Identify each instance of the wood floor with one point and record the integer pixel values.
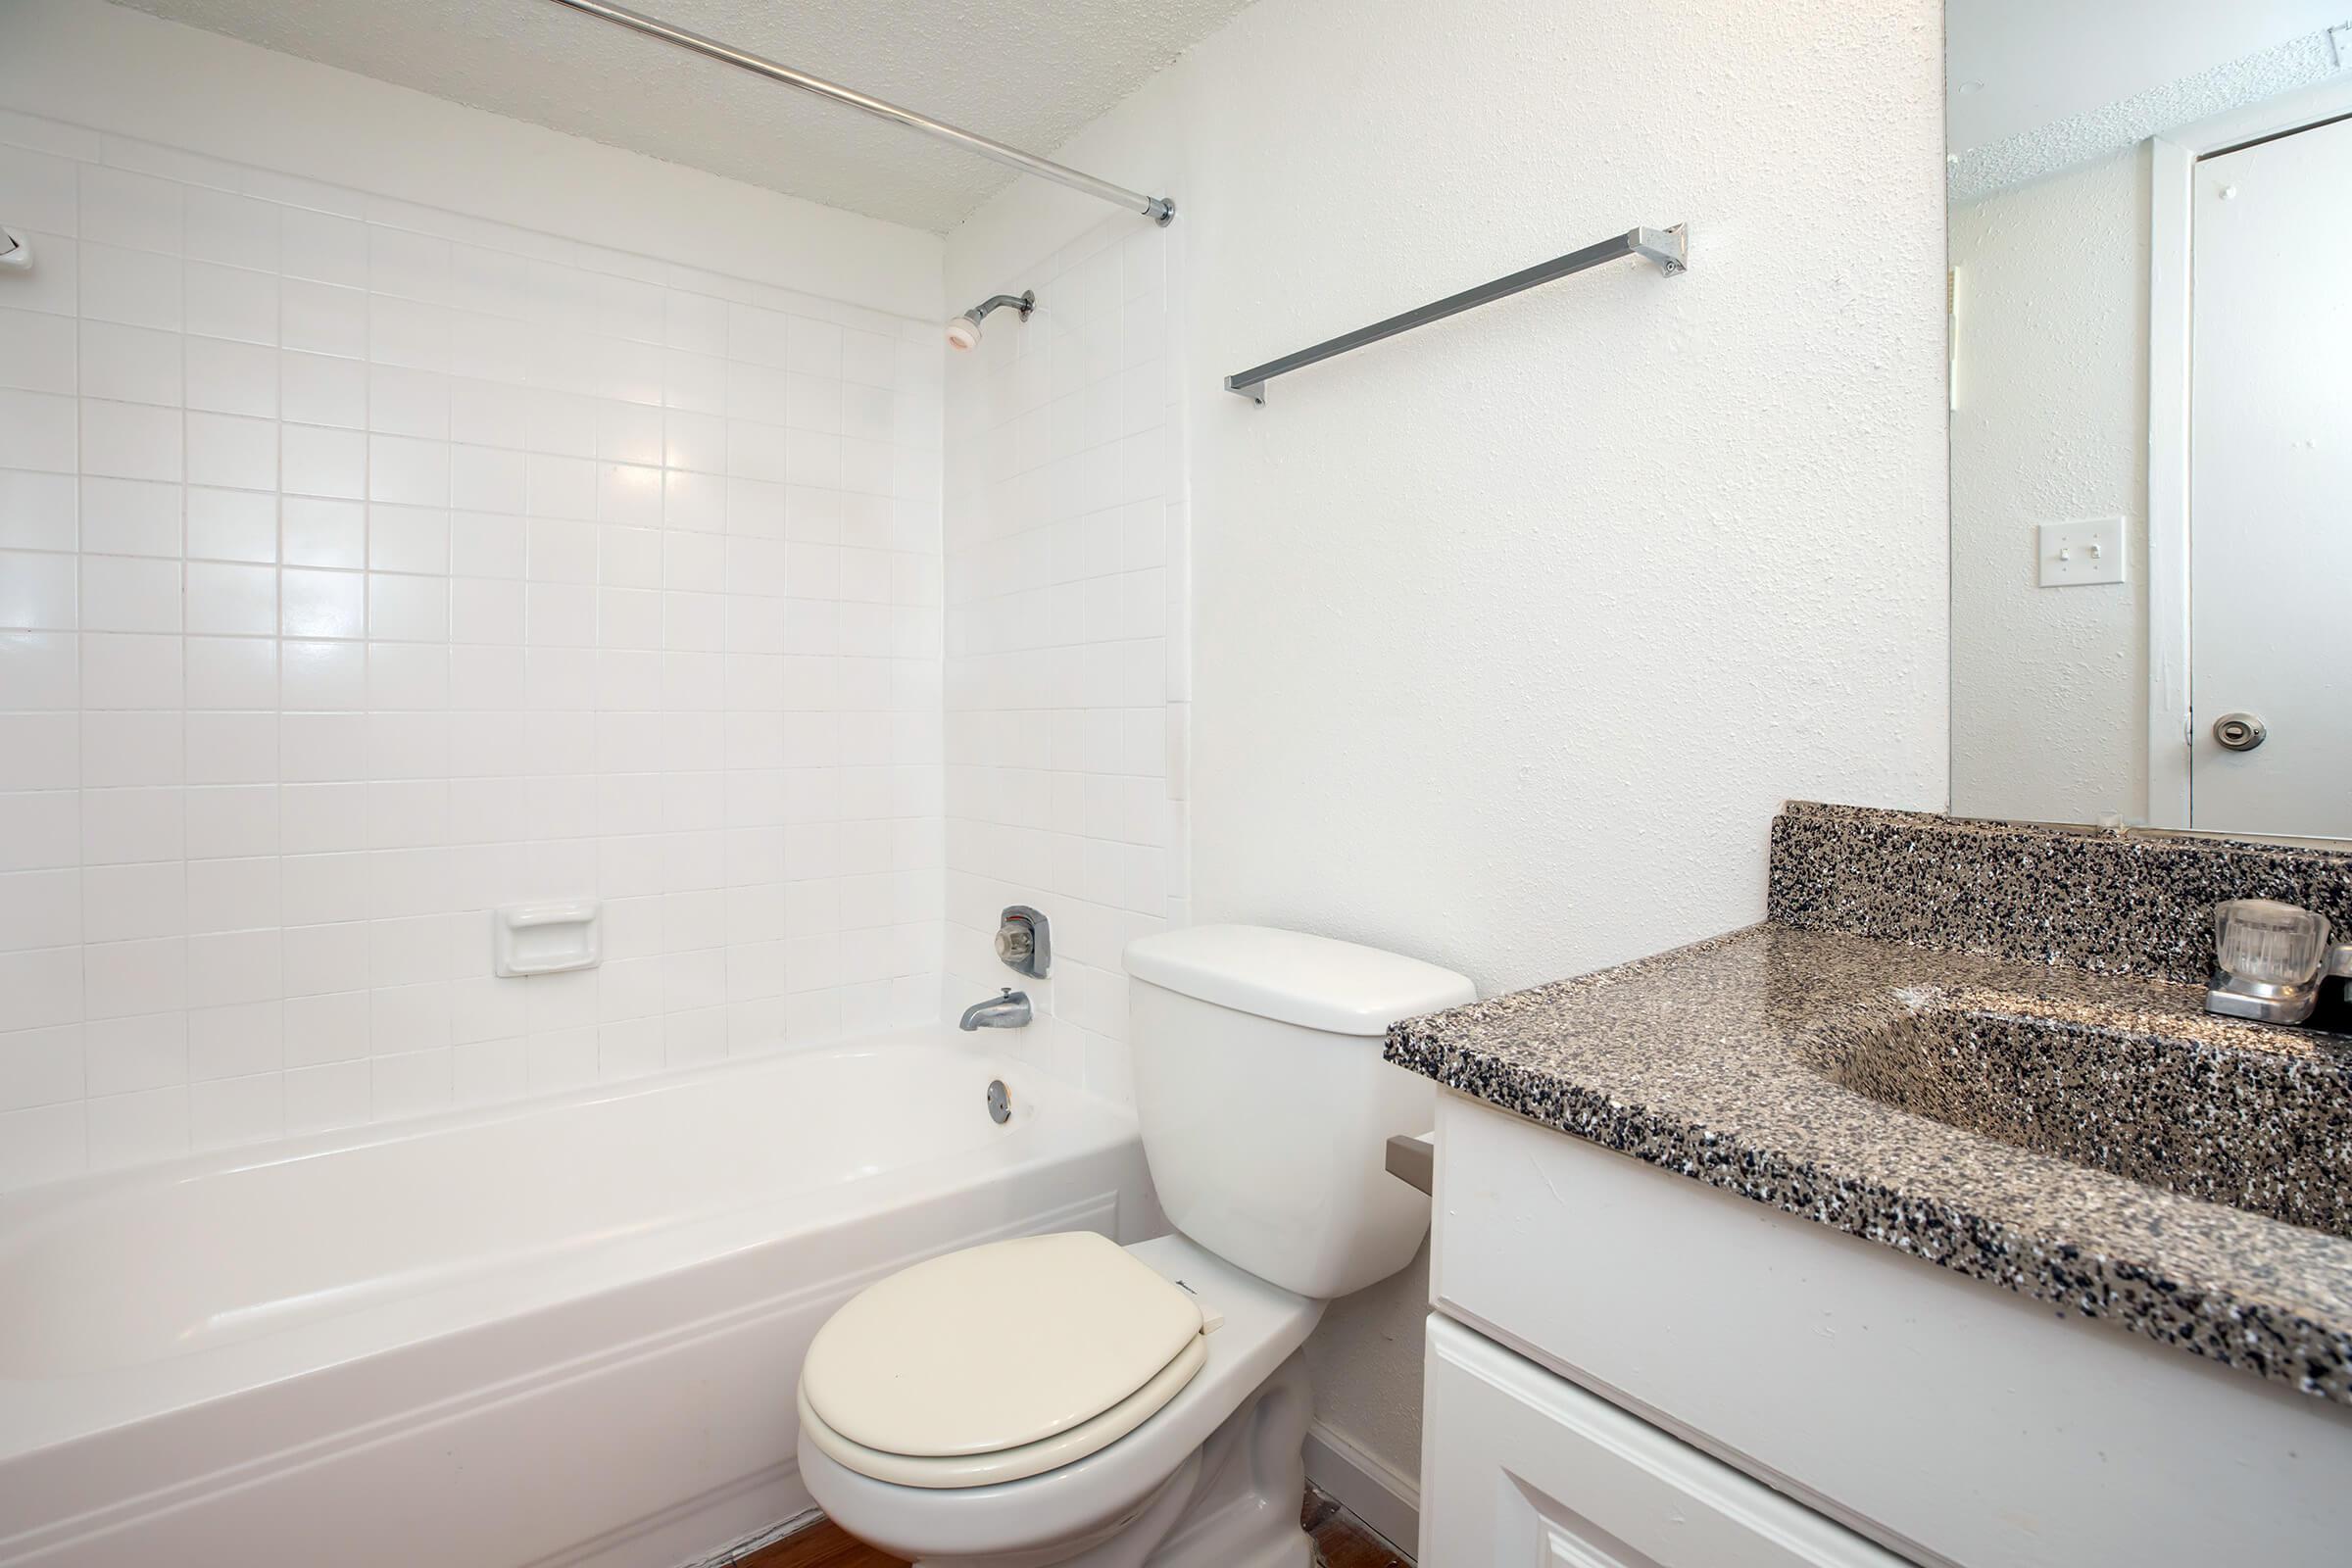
(1339, 1539)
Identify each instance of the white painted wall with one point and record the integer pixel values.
(1509, 636)
(366, 563)
(174, 86)
(2049, 685)
(1065, 661)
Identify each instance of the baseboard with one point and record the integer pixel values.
(1387, 1503)
(743, 1513)
(768, 1536)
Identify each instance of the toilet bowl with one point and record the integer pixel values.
(1058, 1514)
(1061, 1400)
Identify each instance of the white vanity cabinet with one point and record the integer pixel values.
(1629, 1369)
(1522, 1469)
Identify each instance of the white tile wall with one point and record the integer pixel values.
(1067, 694)
(362, 566)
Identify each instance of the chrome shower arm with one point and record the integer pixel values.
(1158, 209)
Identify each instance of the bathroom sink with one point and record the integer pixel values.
(2227, 1113)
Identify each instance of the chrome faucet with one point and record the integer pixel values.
(1009, 1011)
(2271, 961)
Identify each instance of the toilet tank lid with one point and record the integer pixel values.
(1290, 977)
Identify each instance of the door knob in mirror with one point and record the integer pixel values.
(2240, 732)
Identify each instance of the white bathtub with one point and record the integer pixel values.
(566, 1333)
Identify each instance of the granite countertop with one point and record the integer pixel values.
(1792, 1066)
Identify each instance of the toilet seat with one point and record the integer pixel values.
(999, 1361)
(1011, 1464)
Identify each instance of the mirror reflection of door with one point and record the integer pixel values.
(2271, 486)
(2150, 223)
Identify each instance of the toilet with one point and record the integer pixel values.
(1061, 1400)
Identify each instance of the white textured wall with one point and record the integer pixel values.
(2049, 685)
(1510, 635)
(365, 564)
(1065, 676)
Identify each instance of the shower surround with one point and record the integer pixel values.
(1068, 674)
(365, 565)
(371, 565)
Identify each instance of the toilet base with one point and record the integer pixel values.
(1232, 1503)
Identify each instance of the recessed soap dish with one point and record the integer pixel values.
(546, 938)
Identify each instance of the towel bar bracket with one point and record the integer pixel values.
(1665, 246)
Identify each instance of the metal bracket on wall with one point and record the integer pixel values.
(1413, 1160)
(1667, 247)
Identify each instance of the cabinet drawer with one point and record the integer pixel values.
(1522, 1469)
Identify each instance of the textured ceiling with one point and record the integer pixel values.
(2077, 140)
(2016, 66)
(1026, 71)
(2032, 87)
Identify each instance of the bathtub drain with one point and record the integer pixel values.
(1000, 1104)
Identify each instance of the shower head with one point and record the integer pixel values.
(964, 332)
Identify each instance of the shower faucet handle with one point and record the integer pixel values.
(1024, 942)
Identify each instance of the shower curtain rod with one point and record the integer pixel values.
(1158, 209)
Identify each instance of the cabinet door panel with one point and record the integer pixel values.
(1522, 1469)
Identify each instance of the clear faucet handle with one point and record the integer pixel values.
(2268, 943)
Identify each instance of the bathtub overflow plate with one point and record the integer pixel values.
(1000, 1104)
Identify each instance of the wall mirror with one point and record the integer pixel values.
(2150, 282)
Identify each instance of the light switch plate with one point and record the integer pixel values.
(2078, 553)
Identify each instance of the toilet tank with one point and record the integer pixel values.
(1265, 1106)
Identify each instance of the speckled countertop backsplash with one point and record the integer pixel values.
(1982, 1044)
(2134, 903)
